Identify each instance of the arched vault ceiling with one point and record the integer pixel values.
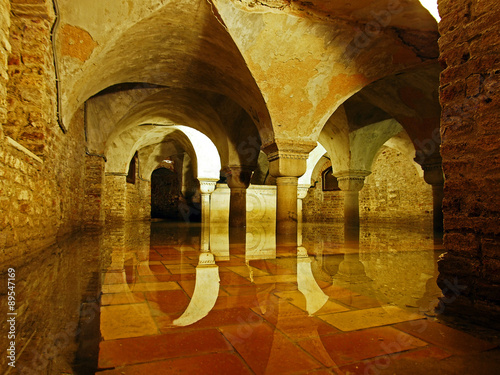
(411, 97)
(132, 108)
(307, 65)
(172, 43)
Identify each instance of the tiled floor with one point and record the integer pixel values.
(286, 315)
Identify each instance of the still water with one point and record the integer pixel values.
(168, 298)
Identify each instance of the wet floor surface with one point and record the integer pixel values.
(182, 299)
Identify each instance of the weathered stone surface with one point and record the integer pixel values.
(471, 148)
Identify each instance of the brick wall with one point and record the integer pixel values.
(394, 192)
(470, 98)
(41, 168)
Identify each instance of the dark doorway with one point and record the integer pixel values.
(165, 194)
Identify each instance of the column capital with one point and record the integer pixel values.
(352, 180)
(433, 174)
(207, 185)
(288, 158)
(238, 176)
(302, 191)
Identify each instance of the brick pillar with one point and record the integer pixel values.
(94, 181)
(470, 99)
(115, 197)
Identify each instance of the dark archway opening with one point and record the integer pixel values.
(165, 194)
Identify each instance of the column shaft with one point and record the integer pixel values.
(238, 207)
(437, 200)
(351, 208)
(286, 205)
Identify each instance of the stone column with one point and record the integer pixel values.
(287, 162)
(433, 175)
(238, 180)
(207, 187)
(302, 191)
(351, 182)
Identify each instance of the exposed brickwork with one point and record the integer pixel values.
(114, 198)
(470, 98)
(41, 197)
(31, 87)
(394, 192)
(4, 54)
(94, 177)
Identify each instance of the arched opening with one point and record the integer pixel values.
(165, 194)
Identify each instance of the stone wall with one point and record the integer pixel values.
(323, 206)
(470, 98)
(41, 168)
(41, 185)
(394, 192)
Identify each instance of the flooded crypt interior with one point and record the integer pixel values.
(249, 187)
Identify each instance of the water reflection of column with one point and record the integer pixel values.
(351, 269)
(205, 237)
(307, 285)
(205, 293)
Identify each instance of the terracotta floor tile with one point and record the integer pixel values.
(181, 269)
(188, 286)
(152, 270)
(121, 298)
(231, 278)
(275, 279)
(121, 321)
(345, 348)
(212, 364)
(167, 301)
(246, 271)
(375, 317)
(337, 292)
(156, 278)
(271, 267)
(359, 301)
(373, 366)
(246, 289)
(153, 348)
(445, 337)
(215, 318)
(116, 288)
(151, 287)
(226, 302)
(297, 298)
(267, 351)
(114, 278)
